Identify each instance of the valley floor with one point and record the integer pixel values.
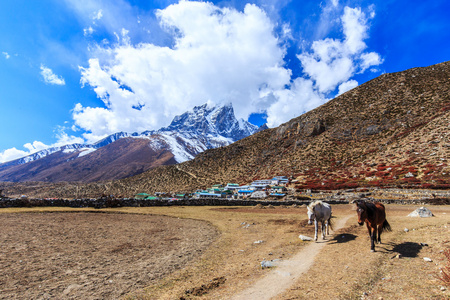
(216, 253)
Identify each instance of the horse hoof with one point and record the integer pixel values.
(372, 250)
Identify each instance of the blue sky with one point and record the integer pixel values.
(77, 70)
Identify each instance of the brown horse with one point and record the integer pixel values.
(374, 215)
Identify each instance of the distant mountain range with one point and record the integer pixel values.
(125, 154)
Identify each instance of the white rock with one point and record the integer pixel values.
(422, 212)
(305, 238)
(269, 263)
(427, 259)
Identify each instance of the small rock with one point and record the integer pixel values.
(305, 238)
(406, 230)
(443, 288)
(269, 263)
(258, 242)
(71, 288)
(427, 259)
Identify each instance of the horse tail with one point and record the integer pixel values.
(386, 226)
(330, 223)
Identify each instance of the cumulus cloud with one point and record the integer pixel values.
(50, 77)
(6, 54)
(11, 154)
(334, 61)
(219, 55)
(292, 102)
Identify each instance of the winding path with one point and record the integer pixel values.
(287, 272)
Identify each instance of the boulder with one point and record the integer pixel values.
(422, 212)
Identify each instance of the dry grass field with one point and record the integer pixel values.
(210, 253)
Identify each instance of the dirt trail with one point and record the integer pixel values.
(287, 272)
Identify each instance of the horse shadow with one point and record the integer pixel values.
(407, 249)
(343, 238)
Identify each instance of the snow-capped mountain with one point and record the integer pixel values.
(204, 127)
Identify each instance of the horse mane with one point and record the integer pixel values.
(370, 207)
(314, 204)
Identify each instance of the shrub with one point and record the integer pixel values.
(445, 276)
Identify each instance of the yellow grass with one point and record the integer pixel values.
(344, 269)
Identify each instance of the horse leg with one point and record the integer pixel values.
(380, 230)
(323, 229)
(373, 239)
(372, 244)
(316, 228)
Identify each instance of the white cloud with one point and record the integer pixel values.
(333, 61)
(98, 15)
(12, 154)
(35, 146)
(347, 86)
(50, 77)
(62, 139)
(370, 59)
(291, 103)
(7, 56)
(220, 55)
(88, 31)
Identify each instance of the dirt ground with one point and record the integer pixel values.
(216, 253)
(93, 255)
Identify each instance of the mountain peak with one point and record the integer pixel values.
(212, 120)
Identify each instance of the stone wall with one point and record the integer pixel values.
(104, 203)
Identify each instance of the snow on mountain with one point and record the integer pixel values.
(43, 153)
(204, 127)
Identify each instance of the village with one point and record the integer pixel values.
(275, 188)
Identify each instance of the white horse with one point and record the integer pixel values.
(319, 211)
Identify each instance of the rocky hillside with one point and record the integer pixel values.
(391, 131)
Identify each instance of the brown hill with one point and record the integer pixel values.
(122, 158)
(391, 131)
